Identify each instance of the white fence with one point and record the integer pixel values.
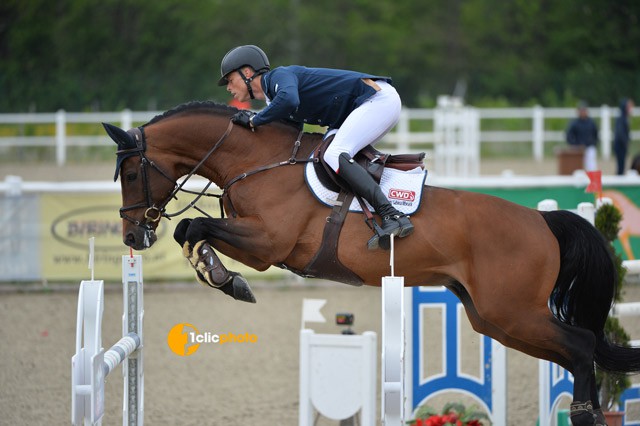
(404, 139)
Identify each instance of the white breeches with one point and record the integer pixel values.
(366, 125)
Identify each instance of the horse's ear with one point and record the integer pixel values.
(118, 135)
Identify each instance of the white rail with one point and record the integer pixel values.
(403, 137)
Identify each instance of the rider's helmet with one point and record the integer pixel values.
(241, 56)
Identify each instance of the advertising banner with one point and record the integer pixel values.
(67, 221)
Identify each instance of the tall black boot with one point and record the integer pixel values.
(394, 222)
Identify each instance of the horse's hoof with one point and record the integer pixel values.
(236, 286)
(241, 289)
(582, 414)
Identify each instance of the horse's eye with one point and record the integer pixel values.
(131, 177)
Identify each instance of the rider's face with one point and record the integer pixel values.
(237, 87)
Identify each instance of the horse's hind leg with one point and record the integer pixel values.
(547, 338)
(572, 348)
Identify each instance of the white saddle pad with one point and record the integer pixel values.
(403, 189)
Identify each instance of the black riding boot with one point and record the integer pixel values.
(394, 222)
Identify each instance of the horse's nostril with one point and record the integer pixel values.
(130, 239)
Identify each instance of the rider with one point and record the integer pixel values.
(359, 108)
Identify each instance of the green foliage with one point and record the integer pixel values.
(612, 385)
(608, 221)
(111, 54)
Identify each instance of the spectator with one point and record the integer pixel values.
(583, 132)
(622, 135)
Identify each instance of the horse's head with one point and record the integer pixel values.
(146, 189)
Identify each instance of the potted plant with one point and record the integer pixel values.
(453, 414)
(612, 385)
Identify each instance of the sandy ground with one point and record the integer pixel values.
(227, 385)
(233, 384)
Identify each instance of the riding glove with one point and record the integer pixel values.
(243, 118)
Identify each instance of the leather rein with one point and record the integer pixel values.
(154, 212)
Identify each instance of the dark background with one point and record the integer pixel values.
(90, 55)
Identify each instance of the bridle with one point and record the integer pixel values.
(153, 213)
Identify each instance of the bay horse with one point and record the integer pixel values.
(538, 282)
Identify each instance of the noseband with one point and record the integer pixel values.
(154, 213)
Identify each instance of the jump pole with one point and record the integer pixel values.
(91, 364)
(393, 342)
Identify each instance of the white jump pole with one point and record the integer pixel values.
(91, 363)
(132, 327)
(393, 341)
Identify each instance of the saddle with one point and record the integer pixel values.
(325, 263)
(372, 160)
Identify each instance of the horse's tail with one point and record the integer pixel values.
(586, 285)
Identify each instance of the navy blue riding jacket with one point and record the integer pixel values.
(582, 131)
(622, 135)
(313, 95)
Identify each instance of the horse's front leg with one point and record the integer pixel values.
(237, 240)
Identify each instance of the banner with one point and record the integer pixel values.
(47, 238)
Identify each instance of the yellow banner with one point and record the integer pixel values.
(69, 220)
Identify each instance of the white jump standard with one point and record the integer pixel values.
(91, 364)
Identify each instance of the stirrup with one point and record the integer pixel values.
(397, 225)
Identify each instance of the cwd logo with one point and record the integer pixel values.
(402, 194)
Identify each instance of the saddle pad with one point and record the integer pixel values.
(403, 189)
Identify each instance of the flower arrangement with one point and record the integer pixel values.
(453, 414)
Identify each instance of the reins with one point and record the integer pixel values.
(153, 213)
(180, 187)
(291, 161)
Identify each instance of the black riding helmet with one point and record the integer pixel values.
(241, 56)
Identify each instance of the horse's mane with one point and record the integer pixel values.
(196, 106)
(205, 107)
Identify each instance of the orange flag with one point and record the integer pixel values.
(595, 182)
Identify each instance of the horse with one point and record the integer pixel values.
(538, 282)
